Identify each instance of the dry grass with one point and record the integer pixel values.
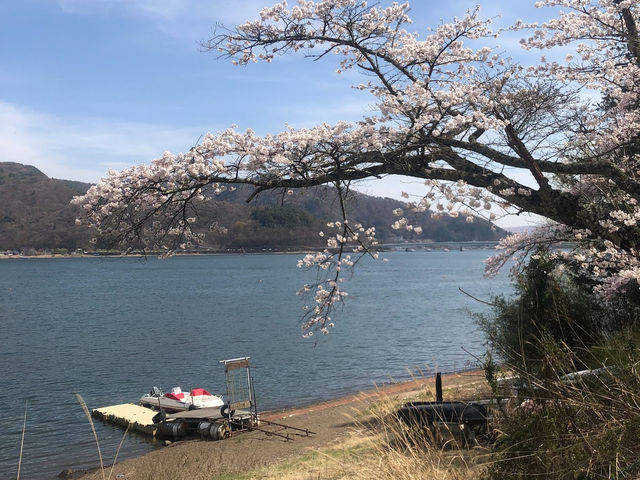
(87, 413)
(85, 409)
(379, 447)
(24, 430)
(396, 451)
(585, 427)
(367, 458)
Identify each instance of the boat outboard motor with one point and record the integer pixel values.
(155, 392)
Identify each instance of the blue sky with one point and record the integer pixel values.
(88, 85)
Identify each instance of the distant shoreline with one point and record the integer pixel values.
(396, 247)
(150, 255)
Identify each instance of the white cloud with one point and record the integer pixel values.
(84, 148)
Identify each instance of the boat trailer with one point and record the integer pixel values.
(238, 414)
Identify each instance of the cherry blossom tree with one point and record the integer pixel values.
(453, 109)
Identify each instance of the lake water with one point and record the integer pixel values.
(110, 329)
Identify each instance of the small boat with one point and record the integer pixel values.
(425, 413)
(178, 401)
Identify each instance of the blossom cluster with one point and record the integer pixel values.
(331, 262)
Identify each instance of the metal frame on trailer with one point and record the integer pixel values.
(241, 396)
(276, 428)
(239, 384)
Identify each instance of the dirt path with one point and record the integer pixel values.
(330, 421)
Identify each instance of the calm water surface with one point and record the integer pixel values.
(109, 329)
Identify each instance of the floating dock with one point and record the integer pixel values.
(136, 417)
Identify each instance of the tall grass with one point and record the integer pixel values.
(584, 427)
(115, 459)
(382, 447)
(85, 409)
(379, 447)
(87, 413)
(24, 430)
(580, 427)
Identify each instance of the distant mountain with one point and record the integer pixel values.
(35, 214)
(297, 218)
(35, 211)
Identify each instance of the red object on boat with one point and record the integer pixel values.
(175, 396)
(199, 391)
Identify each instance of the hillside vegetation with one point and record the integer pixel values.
(35, 211)
(35, 214)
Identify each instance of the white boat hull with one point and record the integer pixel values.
(187, 402)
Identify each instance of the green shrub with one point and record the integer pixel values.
(586, 428)
(553, 301)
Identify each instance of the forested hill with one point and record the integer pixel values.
(35, 214)
(35, 211)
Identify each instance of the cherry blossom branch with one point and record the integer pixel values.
(448, 111)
